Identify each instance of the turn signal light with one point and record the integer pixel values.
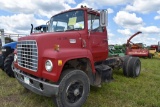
(60, 63)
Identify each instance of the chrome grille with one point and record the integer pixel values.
(27, 53)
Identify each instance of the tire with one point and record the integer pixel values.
(74, 89)
(1, 62)
(134, 67)
(2, 67)
(125, 65)
(8, 65)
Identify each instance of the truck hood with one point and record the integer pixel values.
(46, 43)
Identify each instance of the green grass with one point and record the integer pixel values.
(143, 91)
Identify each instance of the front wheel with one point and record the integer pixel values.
(74, 89)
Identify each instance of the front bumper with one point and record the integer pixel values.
(36, 85)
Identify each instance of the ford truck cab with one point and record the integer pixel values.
(70, 57)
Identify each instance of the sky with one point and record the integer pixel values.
(125, 17)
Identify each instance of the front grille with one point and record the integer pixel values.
(27, 53)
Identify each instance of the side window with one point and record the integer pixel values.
(94, 23)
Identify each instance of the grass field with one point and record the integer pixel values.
(143, 91)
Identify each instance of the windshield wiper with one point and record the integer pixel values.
(59, 31)
(73, 29)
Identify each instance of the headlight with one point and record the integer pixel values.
(48, 65)
(15, 57)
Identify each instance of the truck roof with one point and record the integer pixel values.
(84, 8)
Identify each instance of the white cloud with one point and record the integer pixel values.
(153, 39)
(118, 40)
(83, 4)
(144, 6)
(125, 32)
(101, 3)
(148, 40)
(19, 23)
(128, 20)
(131, 22)
(150, 30)
(158, 16)
(39, 8)
(110, 10)
(95, 7)
(110, 34)
(146, 37)
(24, 13)
(70, 1)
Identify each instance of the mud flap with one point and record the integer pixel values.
(105, 72)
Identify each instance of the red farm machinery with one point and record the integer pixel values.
(137, 49)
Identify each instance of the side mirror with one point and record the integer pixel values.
(103, 18)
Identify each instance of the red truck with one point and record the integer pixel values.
(63, 62)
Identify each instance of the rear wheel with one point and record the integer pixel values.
(74, 88)
(131, 66)
(8, 65)
(134, 67)
(125, 65)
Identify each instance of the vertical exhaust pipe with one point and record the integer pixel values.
(31, 28)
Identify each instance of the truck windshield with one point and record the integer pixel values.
(68, 21)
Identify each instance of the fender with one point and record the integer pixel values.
(64, 55)
(11, 44)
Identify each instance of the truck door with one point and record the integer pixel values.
(98, 42)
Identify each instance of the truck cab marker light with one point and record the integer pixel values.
(56, 47)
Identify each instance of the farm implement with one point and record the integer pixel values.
(116, 50)
(137, 49)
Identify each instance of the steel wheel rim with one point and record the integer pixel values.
(137, 68)
(74, 91)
